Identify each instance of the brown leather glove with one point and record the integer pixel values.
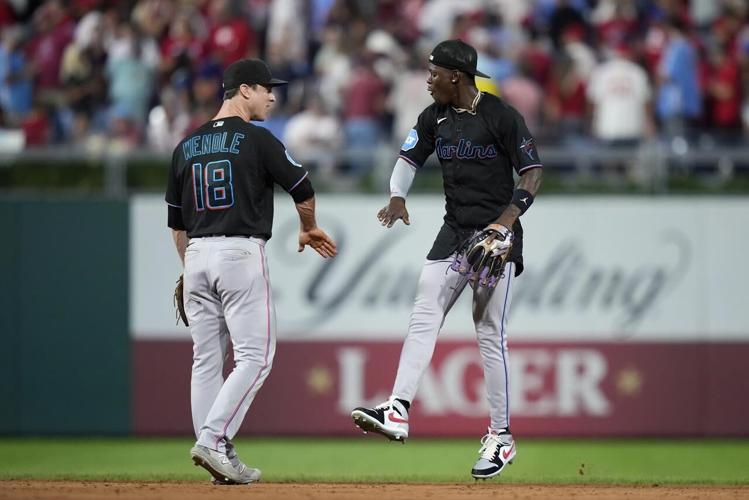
(484, 255)
(179, 301)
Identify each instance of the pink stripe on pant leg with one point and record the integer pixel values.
(267, 346)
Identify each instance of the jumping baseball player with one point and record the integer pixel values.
(220, 197)
(479, 140)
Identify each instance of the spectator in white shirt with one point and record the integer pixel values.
(314, 136)
(619, 94)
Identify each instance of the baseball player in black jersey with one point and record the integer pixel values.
(479, 140)
(220, 197)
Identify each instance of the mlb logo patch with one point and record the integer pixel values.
(411, 141)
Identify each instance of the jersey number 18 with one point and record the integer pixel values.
(212, 185)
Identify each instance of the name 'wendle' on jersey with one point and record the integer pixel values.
(464, 150)
(206, 144)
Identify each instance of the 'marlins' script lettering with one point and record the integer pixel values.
(464, 150)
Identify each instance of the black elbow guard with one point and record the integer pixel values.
(303, 191)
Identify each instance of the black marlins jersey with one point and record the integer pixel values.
(478, 152)
(222, 178)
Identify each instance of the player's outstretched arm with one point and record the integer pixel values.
(310, 234)
(394, 210)
(319, 241)
(400, 183)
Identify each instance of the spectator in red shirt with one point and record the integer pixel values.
(36, 126)
(566, 99)
(53, 33)
(536, 56)
(364, 105)
(183, 47)
(7, 15)
(365, 96)
(724, 89)
(231, 38)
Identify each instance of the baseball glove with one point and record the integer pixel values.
(179, 301)
(482, 258)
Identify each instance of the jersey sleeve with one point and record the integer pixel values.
(519, 143)
(279, 164)
(174, 183)
(419, 143)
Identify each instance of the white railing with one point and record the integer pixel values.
(648, 165)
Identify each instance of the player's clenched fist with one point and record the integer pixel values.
(319, 241)
(395, 210)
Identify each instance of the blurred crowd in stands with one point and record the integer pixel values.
(99, 75)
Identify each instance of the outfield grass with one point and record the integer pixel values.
(371, 459)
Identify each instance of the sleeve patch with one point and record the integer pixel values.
(411, 140)
(527, 147)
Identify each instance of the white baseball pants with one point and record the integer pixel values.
(228, 297)
(438, 289)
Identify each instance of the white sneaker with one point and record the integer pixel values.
(389, 419)
(497, 450)
(221, 467)
(246, 473)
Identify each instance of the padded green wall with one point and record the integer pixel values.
(64, 344)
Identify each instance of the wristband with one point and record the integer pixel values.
(522, 199)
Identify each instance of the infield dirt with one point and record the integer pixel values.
(63, 490)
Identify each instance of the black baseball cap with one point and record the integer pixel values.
(456, 54)
(250, 72)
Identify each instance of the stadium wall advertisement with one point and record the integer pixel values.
(630, 319)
